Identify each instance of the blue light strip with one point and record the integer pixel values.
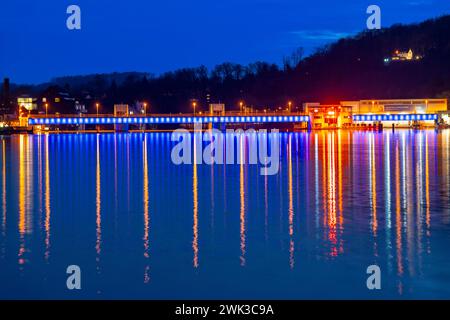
(168, 120)
(394, 117)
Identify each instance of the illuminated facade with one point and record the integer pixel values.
(323, 116)
(121, 110)
(329, 116)
(27, 103)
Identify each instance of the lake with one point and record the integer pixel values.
(139, 226)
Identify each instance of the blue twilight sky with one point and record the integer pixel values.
(157, 36)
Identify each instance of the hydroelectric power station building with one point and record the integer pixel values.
(401, 113)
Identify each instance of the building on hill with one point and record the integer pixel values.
(399, 56)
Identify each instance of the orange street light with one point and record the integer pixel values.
(145, 108)
(97, 105)
(290, 105)
(194, 104)
(241, 104)
(46, 109)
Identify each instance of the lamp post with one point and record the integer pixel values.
(97, 105)
(241, 104)
(145, 108)
(194, 104)
(46, 109)
(290, 105)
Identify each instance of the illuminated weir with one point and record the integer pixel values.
(412, 113)
(177, 119)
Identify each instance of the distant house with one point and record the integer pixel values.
(402, 56)
(399, 56)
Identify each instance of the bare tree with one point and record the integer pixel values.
(291, 62)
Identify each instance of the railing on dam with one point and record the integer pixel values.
(394, 117)
(102, 119)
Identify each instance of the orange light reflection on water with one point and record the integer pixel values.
(291, 206)
(47, 200)
(4, 188)
(22, 209)
(98, 202)
(195, 207)
(242, 199)
(146, 210)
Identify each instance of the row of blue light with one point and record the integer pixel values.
(395, 117)
(167, 120)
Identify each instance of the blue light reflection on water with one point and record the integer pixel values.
(141, 227)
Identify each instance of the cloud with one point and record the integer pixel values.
(320, 35)
(310, 40)
(416, 3)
